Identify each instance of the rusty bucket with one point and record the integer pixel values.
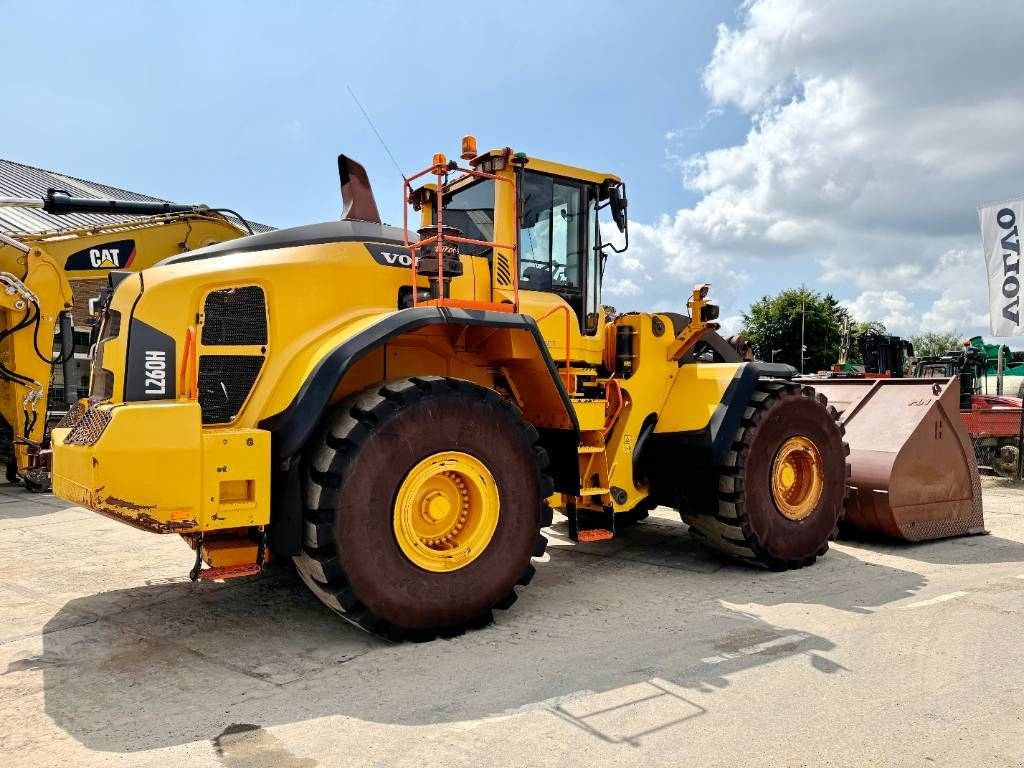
(914, 475)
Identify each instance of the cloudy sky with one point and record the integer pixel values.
(839, 144)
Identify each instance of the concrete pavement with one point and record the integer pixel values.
(645, 650)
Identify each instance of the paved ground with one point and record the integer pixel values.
(640, 651)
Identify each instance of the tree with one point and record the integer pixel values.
(933, 344)
(773, 324)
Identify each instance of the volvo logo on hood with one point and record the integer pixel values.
(390, 255)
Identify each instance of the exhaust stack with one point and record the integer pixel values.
(356, 193)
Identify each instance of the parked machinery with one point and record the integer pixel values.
(994, 422)
(394, 411)
(44, 274)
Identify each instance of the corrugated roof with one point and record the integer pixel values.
(20, 180)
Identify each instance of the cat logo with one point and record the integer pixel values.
(104, 257)
(117, 254)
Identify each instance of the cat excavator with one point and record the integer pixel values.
(395, 410)
(49, 278)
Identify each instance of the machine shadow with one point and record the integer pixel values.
(170, 663)
(969, 550)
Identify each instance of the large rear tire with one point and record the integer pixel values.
(782, 486)
(424, 504)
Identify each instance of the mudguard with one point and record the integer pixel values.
(292, 427)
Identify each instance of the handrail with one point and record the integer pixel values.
(568, 356)
(188, 355)
(441, 168)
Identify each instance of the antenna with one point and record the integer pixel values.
(376, 132)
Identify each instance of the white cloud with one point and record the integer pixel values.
(891, 307)
(876, 128)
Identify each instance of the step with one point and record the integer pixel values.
(588, 535)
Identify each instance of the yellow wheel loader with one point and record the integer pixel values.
(45, 275)
(395, 411)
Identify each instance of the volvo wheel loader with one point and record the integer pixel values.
(396, 411)
(44, 274)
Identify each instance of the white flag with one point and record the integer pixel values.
(1000, 236)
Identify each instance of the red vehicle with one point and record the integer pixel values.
(993, 421)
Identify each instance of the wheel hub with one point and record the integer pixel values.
(797, 478)
(446, 511)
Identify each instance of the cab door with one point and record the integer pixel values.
(559, 264)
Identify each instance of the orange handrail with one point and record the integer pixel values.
(568, 355)
(187, 356)
(441, 170)
(188, 386)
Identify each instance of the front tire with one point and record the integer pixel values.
(782, 486)
(424, 503)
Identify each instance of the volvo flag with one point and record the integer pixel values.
(1000, 235)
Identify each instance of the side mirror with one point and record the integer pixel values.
(619, 204)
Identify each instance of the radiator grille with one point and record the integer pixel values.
(72, 417)
(235, 316)
(89, 428)
(224, 384)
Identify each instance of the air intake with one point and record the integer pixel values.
(235, 316)
(224, 385)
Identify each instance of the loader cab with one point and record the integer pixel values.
(555, 219)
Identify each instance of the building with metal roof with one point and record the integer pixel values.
(20, 180)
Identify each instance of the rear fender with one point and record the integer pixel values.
(482, 346)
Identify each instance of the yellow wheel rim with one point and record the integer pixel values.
(797, 478)
(446, 511)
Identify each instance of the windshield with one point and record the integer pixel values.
(470, 209)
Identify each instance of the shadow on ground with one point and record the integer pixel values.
(642, 620)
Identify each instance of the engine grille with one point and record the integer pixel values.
(224, 384)
(72, 417)
(89, 429)
(235, 316)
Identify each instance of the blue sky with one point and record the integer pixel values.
(245, 104)
(840, 144)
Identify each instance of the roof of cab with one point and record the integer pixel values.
(560, 169)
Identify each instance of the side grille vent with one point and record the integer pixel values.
(502, 270)
(224, 384)
(235, 316)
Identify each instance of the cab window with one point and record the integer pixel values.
(470, 209)
(554, 240)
